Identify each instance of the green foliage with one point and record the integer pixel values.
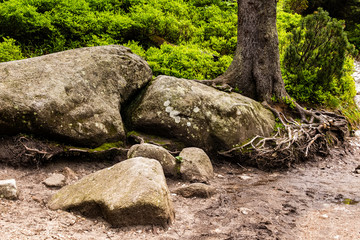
(354, 35)
(352, 113)
(205, 26)
(289, 101)
(193, 39)
(278, 125)
(185, 62)
(348, 10)
(314, 62)
(286, 22)
(9, 51)
(295, 6)
(179, 159)
(136, 48)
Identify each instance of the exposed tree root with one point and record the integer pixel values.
(27, 151)
(294, 141)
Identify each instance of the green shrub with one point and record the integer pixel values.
(295, 6)
(354, 35)
(286, 22)
(23, 22)
(9, 51)
(186, 62)
(313, 64)
(136, 48)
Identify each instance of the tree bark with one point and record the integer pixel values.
(255, 70)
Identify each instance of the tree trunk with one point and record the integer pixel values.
(255, 70)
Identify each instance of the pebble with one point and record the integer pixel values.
(244, 177)
(55, 180)
(8, 189)
(245, 211)
(324, 216)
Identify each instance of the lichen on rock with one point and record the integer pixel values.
(198, 115)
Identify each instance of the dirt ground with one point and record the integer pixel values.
(316, 200)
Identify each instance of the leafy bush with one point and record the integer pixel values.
(135, 48)
(23, 22)
(9, 51)
(313, 64)
(354, 35)
(295, 6)
(185, 62)
(286, 22)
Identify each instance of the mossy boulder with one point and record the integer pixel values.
(132, 192)
(74, 95)
(198, 115)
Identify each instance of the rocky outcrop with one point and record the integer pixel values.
(198, 115)
(75, 95)
(132, 192)
(195, 165)
(167, 161)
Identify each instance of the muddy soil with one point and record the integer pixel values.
(316, 200)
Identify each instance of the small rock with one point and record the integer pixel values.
(55, 180)
(196, 165)
(244, 177)
(245, 211)
(37, 199)
(357, 133)
(196, 190)
(324, 216)
(8, 189)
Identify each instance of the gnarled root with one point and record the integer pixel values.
(294, 141)
(28, 151)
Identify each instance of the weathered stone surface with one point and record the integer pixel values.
(132, 192)
(196, 165)
(167, 161)
(75, 95)
(199, 115)
(200, 190)
(8, 189)
(55, 180)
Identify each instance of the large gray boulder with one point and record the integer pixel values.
(167, 161)
(75, 95)
(199, 115)
(132, 192)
